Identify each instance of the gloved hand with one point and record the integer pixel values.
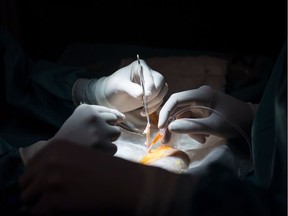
(89, 125)
(199, 123)
(122, 90)
(69, 179)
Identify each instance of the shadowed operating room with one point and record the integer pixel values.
(143, 108)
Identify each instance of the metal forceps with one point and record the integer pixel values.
(142, 81)
(127, 126)
(130, 127)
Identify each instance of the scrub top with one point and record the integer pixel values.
(39, 94)
(264, 190)
(269, 131)
(35, 102)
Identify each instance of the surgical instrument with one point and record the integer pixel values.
(130, 127)
(142, 82)
(145, 104)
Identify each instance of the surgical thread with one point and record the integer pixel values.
(233, 124)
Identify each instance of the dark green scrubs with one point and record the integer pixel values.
(35, 101)
(269, 132)
(264, 191)
(39, 94)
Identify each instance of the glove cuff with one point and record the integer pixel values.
(79, 92)
(85, 90)
(90, 91)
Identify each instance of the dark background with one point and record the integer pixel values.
(45, 28)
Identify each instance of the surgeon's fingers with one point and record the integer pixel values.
(159, 93)
(132, 89)
(106, 146)
(154, 104)
(149, 84)
(159, 84)
(109, 132)
(180, 100)
(168, 109)
(201, 138)
(103, 110)
(192, 126)
(110, 118)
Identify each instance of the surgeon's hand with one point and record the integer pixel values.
(88, 125)
(68, 179)
(122, 89)
(200, 123)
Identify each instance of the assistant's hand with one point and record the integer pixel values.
(88, 125)
(65, 178)
(122, 89)
(199, 123)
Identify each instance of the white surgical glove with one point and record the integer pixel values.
(89, 125)
(200, 123)
(122, 90)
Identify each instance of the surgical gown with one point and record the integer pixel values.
(39, 94)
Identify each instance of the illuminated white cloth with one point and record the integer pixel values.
(183, 73)
(132, 147)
